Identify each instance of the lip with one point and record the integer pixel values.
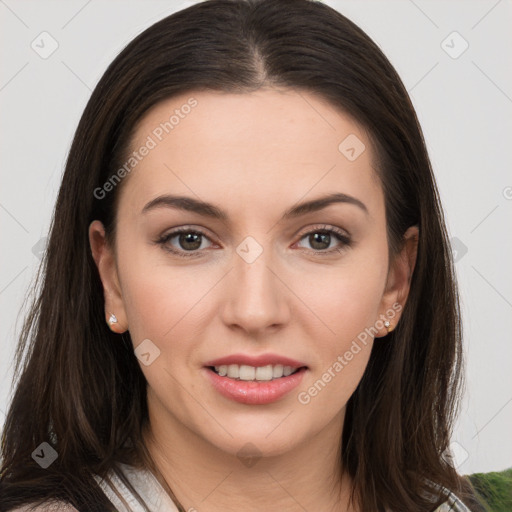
(254, 392)
(260, 360)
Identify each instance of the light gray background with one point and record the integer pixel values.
(464, 105)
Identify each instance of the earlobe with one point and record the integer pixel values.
(388, 325)
(104, 258)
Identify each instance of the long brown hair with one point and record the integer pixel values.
(79, 386)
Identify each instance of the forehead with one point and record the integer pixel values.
(269, 146)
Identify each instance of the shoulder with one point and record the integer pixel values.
(59, 506)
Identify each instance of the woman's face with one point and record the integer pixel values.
(255, 278)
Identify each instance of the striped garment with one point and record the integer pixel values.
(159, 501)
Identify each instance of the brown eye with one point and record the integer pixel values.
(320, 240)
(188, 242)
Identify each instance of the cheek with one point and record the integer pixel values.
(347, 304)
(153, 306)
(343, 349)
(163, 305)
(345, 301)
(158, 297)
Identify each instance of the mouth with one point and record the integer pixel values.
(249, 373)
(254, 385)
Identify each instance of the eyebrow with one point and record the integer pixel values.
(210, 210)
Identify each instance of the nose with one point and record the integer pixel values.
(257, 298)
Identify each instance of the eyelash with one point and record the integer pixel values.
(340, 235)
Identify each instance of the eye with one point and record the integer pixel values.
(320, 240)
(189, 242)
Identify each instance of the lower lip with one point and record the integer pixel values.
(255, 392)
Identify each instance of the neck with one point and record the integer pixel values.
(206, 479)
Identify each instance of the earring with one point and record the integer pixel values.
(387, 325)
(112, 319)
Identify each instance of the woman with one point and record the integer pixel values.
(248, 298)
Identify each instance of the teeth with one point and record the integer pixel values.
(277, 371)
(247, 372)
(259, 373)
(264, 372)
(233, 371)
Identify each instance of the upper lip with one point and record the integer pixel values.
(261, 360)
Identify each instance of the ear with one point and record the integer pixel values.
(104, 258)
(399, 281)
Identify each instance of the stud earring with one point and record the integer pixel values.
(387, 325)
(113, 319)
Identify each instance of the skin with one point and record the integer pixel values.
(253, 155)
